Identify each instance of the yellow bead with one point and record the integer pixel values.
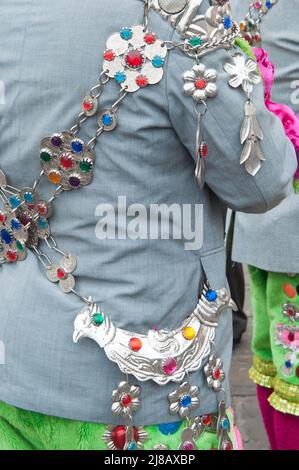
(189, 333)
(54, 177)
(242, 26)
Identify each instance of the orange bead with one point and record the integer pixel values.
(289, 290)
(54, 177)
(135, 344)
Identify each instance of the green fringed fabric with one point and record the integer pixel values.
(26, 430)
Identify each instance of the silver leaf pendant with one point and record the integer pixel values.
(251, 135)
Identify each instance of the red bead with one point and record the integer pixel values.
(135, 344)
(227, 446)
(204, 150)
(126, 400)
(297, 372)
(2, 217)
(216, 374)
(60, 273)
(206, 420)
(109, 55)
(134, 58)
(66, 161)
(248, 38)
(289, 290)
(11, 255)
(31, 207)
(291, 336)
(142, 81)
(87, 105)
(42, 209)
(119, 436)
(200, 84)
(24, 219)
(170, 366)
(150, 38)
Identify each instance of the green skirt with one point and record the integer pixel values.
(26, 430)
(275, 301)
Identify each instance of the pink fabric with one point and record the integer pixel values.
(267, 411)
(286, 429)
(236, 433)
(289, 119)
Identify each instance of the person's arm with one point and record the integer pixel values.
(222, 123)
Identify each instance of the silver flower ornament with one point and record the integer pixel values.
(62, 273)
(134, 58)
(184, 400)
(214, 373)
(200, 83)
(243, 72)
(126, 399)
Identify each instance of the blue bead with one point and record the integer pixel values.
(227, 21)
(107, 120)
(14, 201)
(42, 223)
(158, 61)
(15, 224)
(126, 34)
(268, 4)
(186, 401)
(169, 428)
(211, 295)
(28, 197)
(132, 446)
(288, 364)
(77, 146)
(120, 77)
(6, 236)
(225, 423)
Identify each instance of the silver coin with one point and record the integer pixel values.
(172, 6)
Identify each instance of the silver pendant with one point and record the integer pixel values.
(214, 373)
(162, 356)
(184, 400)
(62, 273)
(134, 58)
(223, 428)
(172, 7)
(243, 73)
(188, 440)
(251, 134)
(66, 160)
(126, 400)
(120, 437)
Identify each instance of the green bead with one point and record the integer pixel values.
(85, 166)
(45, 157)
(20, 246)
(296, 186)
(195, 41)
(97, 319)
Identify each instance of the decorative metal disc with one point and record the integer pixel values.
(172, 7)
(162, 356)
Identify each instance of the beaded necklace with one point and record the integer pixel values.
(250, 27)
(135, 58)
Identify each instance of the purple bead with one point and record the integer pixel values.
(56, 141)
(74, 181)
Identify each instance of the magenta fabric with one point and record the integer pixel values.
(267, 412)
(289, 119)
(286, 428)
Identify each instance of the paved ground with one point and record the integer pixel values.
(244, 399)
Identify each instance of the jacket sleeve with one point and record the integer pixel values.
(224, 175)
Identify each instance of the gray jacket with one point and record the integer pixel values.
(51, 53)
(270, 241)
